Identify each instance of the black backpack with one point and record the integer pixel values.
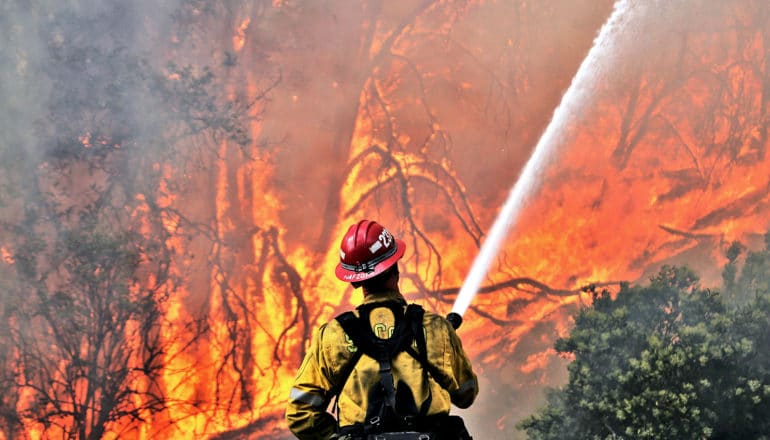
(391, 405)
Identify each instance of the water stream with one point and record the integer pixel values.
(528, 182)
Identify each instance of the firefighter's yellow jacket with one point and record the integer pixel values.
(331, 349)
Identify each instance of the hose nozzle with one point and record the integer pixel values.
(455, 319)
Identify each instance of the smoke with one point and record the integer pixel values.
(596, 64)
(23, 85)
(635, 32)
(66, 68)
(76, 73)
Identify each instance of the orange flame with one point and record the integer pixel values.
(239, 39)
(637, 183)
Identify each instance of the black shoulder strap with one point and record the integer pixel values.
(351, 326)
(415, 315)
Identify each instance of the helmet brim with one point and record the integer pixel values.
(351, 276)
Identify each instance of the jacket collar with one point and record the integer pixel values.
(384, 296)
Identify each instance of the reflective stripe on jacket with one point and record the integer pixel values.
(331, 350)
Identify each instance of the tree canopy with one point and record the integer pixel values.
(667, 360)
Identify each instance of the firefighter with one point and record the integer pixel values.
(392, 369)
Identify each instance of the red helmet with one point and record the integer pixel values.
(367, 250)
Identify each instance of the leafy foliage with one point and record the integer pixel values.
(754, 277)
(666, 360)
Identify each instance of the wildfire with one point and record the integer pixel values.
(537, 361)
(6, 255)
(666, 162)
(85, 140)
(239, 39)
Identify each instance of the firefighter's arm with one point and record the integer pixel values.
(306, 411)
(467, 385)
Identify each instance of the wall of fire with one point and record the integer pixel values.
(176, 180)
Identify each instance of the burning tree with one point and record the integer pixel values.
(88, 337)
(221, 186)
(90, 239)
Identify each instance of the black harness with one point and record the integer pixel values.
(391, 406)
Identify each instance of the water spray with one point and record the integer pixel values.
(573, 99)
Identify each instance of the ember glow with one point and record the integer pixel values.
(167, 289)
